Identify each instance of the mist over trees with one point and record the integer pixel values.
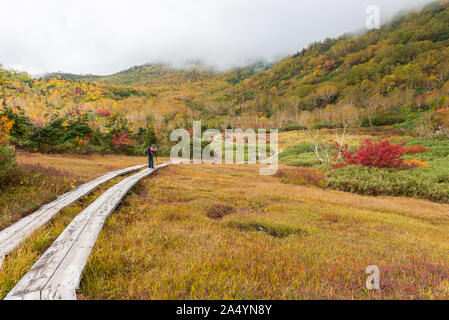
(383, 77)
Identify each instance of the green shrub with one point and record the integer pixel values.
(272, 229)
(305, 161)
(7, 163)
(377, 182)
(292, 127)
(300, 155)
(298, 148)
(384, 120)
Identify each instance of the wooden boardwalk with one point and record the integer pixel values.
(57, 274)
(12, 236)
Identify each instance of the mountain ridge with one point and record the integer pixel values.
(383, 77)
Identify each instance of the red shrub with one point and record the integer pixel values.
(121, 141)
(103, 113)
(373, 155)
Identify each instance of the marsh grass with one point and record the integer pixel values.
(40, 179)
(30, 186)
(23, 257)
(282, 241)
(302, 176)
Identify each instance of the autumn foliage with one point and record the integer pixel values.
(413, 163)
(373, 155)
(380, 155)
(414, 149)
(103, 113)
(121, 141)
(5, 127)
(376, 79)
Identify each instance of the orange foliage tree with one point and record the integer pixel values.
(5, 127)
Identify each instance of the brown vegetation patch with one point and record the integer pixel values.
(332, 218)
(302, 176)
(219, 211)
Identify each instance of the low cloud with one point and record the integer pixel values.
(106, 36)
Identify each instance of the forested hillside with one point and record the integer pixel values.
(387, 74)
(398, 74)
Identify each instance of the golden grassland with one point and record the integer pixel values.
(88, 167)
(25, 256)
(42, 178)
(224, 232)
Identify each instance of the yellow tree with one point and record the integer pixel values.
(5, 127)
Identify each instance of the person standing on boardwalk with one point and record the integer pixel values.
(151, 152)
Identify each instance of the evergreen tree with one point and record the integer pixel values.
(151, 134)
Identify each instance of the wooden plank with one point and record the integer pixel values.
(12, 236)
(57, 273)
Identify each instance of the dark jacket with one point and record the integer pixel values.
(151, 151)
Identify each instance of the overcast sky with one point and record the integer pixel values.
(106, 36)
